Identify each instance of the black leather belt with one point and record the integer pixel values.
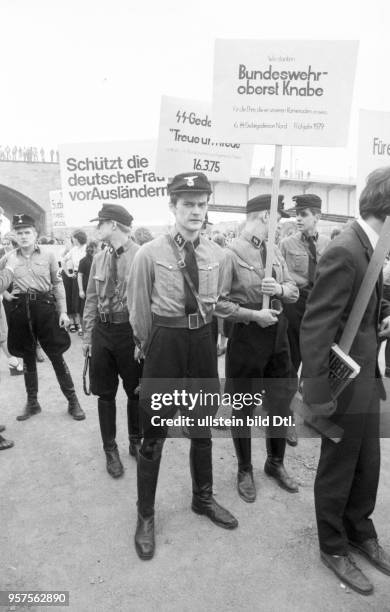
(114, 317)
(35, 296)
(191, 321)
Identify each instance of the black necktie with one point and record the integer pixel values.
(312, 259)
(192, 269)
(113, 275)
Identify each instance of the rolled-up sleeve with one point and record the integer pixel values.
(225, 307)
(290, 289)
(139, 296)
(57, 284)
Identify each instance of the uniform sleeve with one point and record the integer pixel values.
(290, 289)
(139, 296)
(58, 285)
(91, 305)
(225, 307)
(6, 277)
(327, 302)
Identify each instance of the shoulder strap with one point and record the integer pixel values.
(182, 266)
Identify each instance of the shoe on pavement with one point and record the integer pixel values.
(349, 573)
(372, 550)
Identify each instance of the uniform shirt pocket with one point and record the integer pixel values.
(168, 277)
(20, 270)
(247, 275)
(208, 279)
(41, 269)
(300, 262)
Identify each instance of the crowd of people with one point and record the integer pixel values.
(152, 311)
(28, 154)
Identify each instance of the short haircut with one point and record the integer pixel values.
(142, 235)
(126, 229)
(255, 215)
(375, 197)
(81, 236)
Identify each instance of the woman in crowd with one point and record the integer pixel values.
(70, 266)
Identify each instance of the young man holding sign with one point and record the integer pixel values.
(258, 354)
(348, 471)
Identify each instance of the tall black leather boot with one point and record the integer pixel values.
(274, 464)
(245, 484)
(32, 405)
(107, 421)
(203, 501)
(134, 427)
(147, 476)
(67, 387)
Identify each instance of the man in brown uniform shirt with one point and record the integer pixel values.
(258, 355)
(108, 334)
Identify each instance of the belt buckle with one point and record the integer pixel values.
(103, 317)
(32, 296)
(194, 317)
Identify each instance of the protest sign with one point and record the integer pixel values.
(287, 92)
(57, 209)
(110, 172)
(374, 144)
(187, 143)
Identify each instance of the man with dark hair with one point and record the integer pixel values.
(302, 251)
(258, 355)
(37, 314)
(348, 471)
(174, 284)
(108, 335)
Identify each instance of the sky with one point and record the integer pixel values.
(82, 71)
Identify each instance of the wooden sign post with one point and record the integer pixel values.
(273, 218)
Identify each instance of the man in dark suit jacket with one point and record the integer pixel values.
(348, 472)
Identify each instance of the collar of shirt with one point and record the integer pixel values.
(255, 241)
(371, 234)
(305, 237)
(36, 250)
(179, 239)
(122, 249)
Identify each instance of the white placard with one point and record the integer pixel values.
(187, 143)
(374, 145)
(121, 172)
(287, 92)
(57, 209)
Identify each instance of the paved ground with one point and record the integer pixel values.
(65, 524)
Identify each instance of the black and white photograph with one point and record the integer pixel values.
(194, 306)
